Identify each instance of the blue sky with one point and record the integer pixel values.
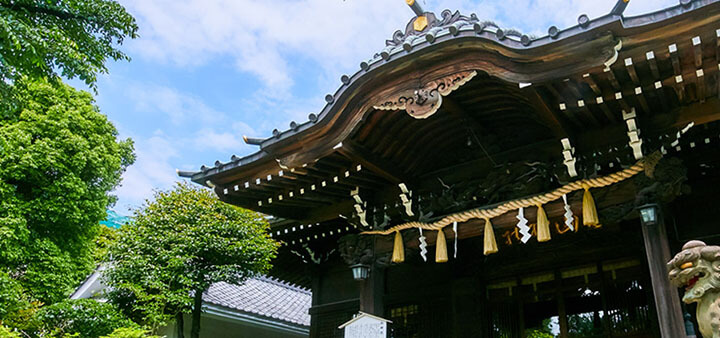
(205, 72)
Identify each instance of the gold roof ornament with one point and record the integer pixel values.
(420, 23)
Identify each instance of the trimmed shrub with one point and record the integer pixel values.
(7, 333)
(129, 332)
(84, 317)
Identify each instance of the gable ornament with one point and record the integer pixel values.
(425, 101)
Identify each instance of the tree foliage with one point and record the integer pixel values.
(178, 245)
(127, 332)
(84, 317)
(6, 332)
(76, 37)
(59, 159)
(101, 244)
(17, 308)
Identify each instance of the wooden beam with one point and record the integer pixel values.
(574, 88)
(613, 80)
(631, 71)
(659, 94)
(452, 107)
(699, 73)
(650, 56)
(678, 85)
(357, 153)
(641, 98)
(599, 97)
(588, 78)
(563, 106)
(700, 76)
(675, 59)
(582, 106)
(621, 100)
(697, 51)
(466, 170)
(699, 113)
(252, 204)
(604, 107)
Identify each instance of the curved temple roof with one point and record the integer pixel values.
(517, 58)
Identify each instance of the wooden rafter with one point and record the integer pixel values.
(357, 153)
(551, 119)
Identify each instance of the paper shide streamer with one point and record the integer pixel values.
(423, 246)
(569, 219)
(522, 225)
(455, 231)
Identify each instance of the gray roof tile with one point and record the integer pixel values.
(264, 296)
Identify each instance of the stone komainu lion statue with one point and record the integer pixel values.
(697, 268)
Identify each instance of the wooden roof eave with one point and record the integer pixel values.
(508, 60)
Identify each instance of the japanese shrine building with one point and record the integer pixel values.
(559, 173)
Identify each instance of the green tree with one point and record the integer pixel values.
(127, 332)
(585, 324)
(177, 246)
(17, 309)
(74, 37)
(59, 159)
(7, 333)
(84, 317)
(104, 238)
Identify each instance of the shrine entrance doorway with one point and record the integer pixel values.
(609, 299)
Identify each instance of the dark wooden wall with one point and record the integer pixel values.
(451, 299)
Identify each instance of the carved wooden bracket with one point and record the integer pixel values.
(355, 249)
(423, 102)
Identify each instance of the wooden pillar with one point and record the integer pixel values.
(453, 308)
(485, 315)
(315, 273)
(372, 291)
(521, 309)
(562, 313)
(667, 302)
(603, 299)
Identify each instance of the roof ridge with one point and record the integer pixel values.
(267, 316)
(283, 284)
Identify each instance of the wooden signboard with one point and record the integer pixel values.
(365, 326)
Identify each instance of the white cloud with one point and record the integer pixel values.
(152, 170)
(179, 107)
(210, 139)
(265, 37)
(224, 141)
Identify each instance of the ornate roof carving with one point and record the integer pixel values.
(424, 101)
(447, 18)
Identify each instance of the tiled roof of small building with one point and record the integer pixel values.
(264, 296)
